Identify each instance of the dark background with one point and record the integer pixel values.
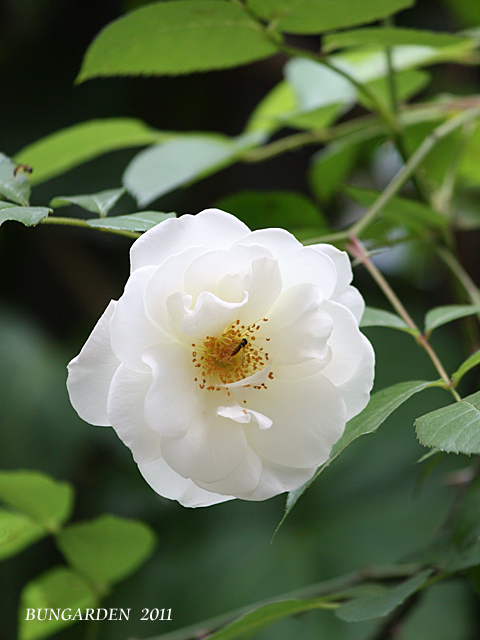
(55, 282)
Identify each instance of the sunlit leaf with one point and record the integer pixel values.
(29, 216)
(14, 184)
(59, 590)
(106, 549)
(454, 429)
(162, 168)
(443, 315)
(275, 106)
(17, 531)
(388, 37)
(43, 499)
(380, 318)
(315, 16)
(468, 364)
(382, 404)
(142, 221)
(68, 148)
(176, 37)
(377, 606)
(100, 203)
(407, 84)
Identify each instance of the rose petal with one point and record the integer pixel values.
(211, 316)
(91, 372)
(244, 416)
(356, 391)
(276, 479)
(125, 408)
(170, 485)
(174, 398)
(308, 418)
(243, 480)
(131, 330)
(212, 449)
(212, 228)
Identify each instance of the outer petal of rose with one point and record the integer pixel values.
(308, 418)
(91, 372)
(173, 400)
(131, 330)
(346, 341)
(126, 412)
(276, 479)
(297, 264)
(212, 449)
(211, 228)
(344, 293)
(297, 328)
(243, 480)
(356, 391)
(170, 485)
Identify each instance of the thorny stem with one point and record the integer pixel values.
(77, 222)
(358, 251)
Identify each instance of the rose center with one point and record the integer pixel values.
(231, 357)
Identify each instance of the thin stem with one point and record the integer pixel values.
(451, 260)
(77, 222)
(357, 249)
(415, 160)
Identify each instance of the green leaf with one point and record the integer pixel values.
(443, 315)
(17, 532)
(60, 590)
(68, 148)
(468, 364)
(380, 318)
(377, 606)
(43, 499)
(316, 85)
(29, 216)
(100, 203)
(14, 184)
(407, 84)
(388, 37)
(274, 107)
(315, 16)
(382, 404)
(454, 429)
(142, 221)
(317, 119)
(176, 37)
(264, 616)
(162, 168)
(410, 214)
(263, 209)
(330, 167)
(107, 549)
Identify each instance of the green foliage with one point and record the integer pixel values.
(380, 318)
(107, 549)
(314, 16)
(63, 150)
(131, 222)
(261, 209)
(368, 607)
(59, 589)
(29, 216)
(454, 429)
(100, 203)
(46, 501)
(14, 184)
(468, 364)
(213, 35)
(443, 315)
(17, 532)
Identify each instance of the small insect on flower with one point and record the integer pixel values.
(240, 345)
(23, 168)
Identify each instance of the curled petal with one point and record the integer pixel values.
(131, 330)
(356, 391)
(166, 482)
(125, 409)
(210, 315)
(212, 228)
(245, 416)
(90, 373)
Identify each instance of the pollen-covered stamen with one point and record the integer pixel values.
(231, 357)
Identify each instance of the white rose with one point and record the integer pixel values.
(231, 362)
